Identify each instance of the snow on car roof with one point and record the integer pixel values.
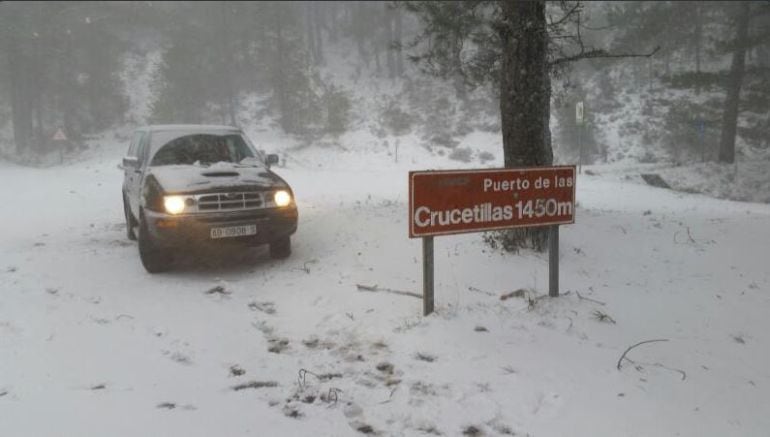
(183, 127)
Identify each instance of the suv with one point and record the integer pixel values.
(195, 185)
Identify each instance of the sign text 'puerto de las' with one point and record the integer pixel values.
(456, 201)
(450, 202)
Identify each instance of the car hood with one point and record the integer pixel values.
(196, 178)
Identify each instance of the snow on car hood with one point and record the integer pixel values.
(186, 178)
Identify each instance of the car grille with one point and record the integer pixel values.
(229, 201)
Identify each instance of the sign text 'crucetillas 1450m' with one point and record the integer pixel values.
(457, 201)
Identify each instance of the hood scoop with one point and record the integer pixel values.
(220, 174)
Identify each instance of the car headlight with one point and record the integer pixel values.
(174, 204)
(282, 198)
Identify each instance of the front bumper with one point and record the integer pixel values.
(195, 229)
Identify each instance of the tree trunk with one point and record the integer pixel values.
(390, 61)
(65, 86)
(397, 40)
(21, 115)
(525, 95)
(350, 15)
(456, 51)
(227, 61)
(524, 86)
(734, 82)
(360, 31)
(317, 25)
(313, 30)
(698, 37)
(279, 80)
(35, 96)
(332, 11)
(376, 48)
(310, 34)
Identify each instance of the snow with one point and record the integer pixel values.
(137, 76)
(91, 344)
(747, 179)
(182, 178)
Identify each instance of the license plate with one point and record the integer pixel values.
(233, 231)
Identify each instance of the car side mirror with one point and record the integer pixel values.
(271, 159)
(130, 162)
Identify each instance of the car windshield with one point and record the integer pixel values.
(202, 148)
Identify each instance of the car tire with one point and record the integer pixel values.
(280, 249)
(130, 221)
(154, 259)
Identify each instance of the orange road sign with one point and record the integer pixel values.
(459, 201)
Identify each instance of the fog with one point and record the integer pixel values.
(208, 223)
(87, 67)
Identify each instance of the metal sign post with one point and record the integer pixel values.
(553, 261)
(427, 275)
(460, 201)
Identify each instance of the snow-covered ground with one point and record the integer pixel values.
(90, 344)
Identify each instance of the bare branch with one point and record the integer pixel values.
(589, 299)
(601, 53)
(620, 360)
(387, 290)
(600, 28)
(566, 15)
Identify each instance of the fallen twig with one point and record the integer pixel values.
(603, 317)
(302, 376)
(333, 393)
(516, 293)
(480, 291)
(589, 299)
(680, 371)
(689, 237)
(375, 288)
(255, 384)
(620, 360)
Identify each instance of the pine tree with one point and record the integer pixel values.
(505, 43)
(704, 42)
(734, 83)
(54, 55)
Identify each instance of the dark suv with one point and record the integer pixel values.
(197, 185)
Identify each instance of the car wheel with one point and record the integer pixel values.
(280, 249)
(130, 220)
(154, 259)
